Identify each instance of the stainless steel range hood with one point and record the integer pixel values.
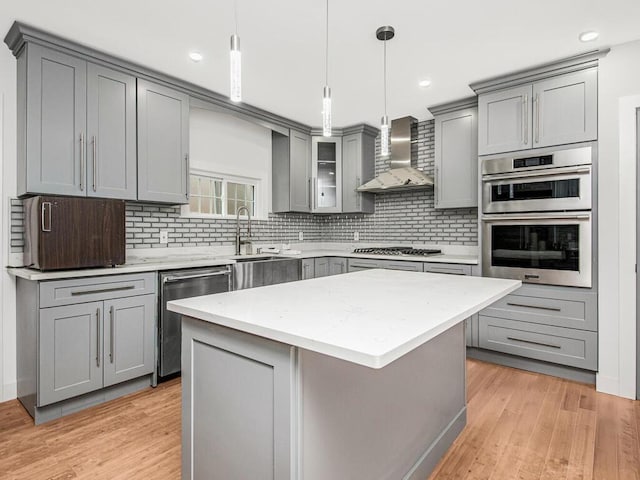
(402, 174)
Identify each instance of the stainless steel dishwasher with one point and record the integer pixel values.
(177, 284)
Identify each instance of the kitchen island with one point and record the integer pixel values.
(356, 376)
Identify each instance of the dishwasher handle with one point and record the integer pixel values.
(170, 279)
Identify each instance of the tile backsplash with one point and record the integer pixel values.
(401, 216)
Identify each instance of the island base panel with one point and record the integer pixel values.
(256, 408)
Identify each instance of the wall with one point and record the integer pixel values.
(7, 189)
(619, 83)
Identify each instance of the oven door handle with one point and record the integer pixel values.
(547, 172)
(508, 217)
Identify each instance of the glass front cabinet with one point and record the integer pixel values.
(326, 171)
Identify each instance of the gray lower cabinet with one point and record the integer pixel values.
(308, 268)
(554, 111)
(552, 324)
(77, 127)
(79, 336)
(357, 264)
(456, 154)
(321, 267)
(326, 266)
(291, 178)
(358, 167)
(163, 144)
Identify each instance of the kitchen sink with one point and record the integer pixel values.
(258, 271)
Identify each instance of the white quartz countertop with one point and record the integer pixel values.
(174, 261)
(370, 318)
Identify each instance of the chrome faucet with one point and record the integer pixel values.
(239, 241)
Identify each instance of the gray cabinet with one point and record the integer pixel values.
(52, 109)
(456, 155)
(80, 336)
(111, 134)
(291, 175)
(358, 264)
(308, 268)
(554, 111)
(326, 174)
(358, 167)
(552, 324)
(77, 127)
(321, 267)
(325, 266)
(163, 144)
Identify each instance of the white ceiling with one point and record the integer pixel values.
(452, 42)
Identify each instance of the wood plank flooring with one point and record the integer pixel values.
(521, 425)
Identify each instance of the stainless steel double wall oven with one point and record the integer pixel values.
(537, 218)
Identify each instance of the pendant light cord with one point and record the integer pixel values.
(235, 13)
(326, 50)
(385, 78)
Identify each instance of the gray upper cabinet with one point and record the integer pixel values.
(111, 134)
(77, 132)
(291, 178)
(163, 144)
(456, 156)
(358, 167)
(504, 122)
(558, 110)
(565, 109)
(52, 96)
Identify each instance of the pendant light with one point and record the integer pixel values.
(383, 34)
(235, 63)
(326, 91)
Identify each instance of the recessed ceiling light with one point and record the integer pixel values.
(589, 36)
(195, 56)
(425, 83)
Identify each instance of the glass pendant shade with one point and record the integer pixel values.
(235, 70)
(384, 136)
(326, 111)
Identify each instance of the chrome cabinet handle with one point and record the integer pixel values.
(537, 102)
(82, 174)
(113, 334)
(98, 337)
(358, 194)
(95, 169)
(542, 344)
(551, 309)
(186, 187)
(525, 116)
(42, 216)
(102, 290)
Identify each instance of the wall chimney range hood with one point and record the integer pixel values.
(402, 174)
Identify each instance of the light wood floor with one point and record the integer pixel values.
(520, 426)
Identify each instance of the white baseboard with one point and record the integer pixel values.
(9, 392)
(605, 384)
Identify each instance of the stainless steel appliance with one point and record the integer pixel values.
(417, 252)
(250, 273)
(553, 182)
(177, 284)
(537, 220)
(72, 232)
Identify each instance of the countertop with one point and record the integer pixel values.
(174, 261)
(370, 318)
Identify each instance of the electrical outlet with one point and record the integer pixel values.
(301, 236)
(356, 236)
(164, 236)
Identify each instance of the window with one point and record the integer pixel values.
(217, 195)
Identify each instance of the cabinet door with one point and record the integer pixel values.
(321, 267)
(111, 133)
(56, 95)
(337, 266)
(456, 159)
(308, 270)
(566, 109)
(70, 351)
(326, 172)
(504, 123)
(358, 167)
(129, 338)
(163, 144)
(300, 171)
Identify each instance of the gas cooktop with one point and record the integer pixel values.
(418, 252)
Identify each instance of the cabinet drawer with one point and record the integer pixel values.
(363, 264)
(81, 290)
(449, 268)
(559, 312)
(575, 348)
